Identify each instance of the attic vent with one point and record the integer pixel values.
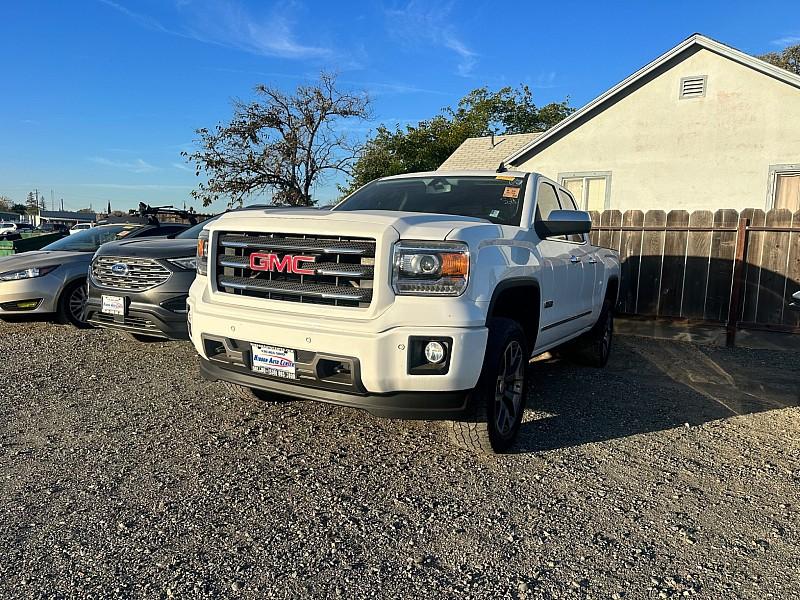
(693, 87)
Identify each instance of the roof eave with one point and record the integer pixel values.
(696, 39)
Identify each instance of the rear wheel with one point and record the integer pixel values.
(69, 308)
(594, 348)
(498, 401)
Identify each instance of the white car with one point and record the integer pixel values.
(419, 296)
(80, 227)
(7, 227)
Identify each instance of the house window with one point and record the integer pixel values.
(693, 87)
(784, 187)
(591, 189)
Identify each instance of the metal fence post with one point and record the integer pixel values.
(737, 287)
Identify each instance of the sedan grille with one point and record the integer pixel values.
(339, 273)
(130, 274)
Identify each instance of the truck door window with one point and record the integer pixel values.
(568, 203)
(547, 202)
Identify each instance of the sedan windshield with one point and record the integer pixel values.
(497, 198)
(90, 240)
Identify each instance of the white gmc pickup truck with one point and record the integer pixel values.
(419, 296)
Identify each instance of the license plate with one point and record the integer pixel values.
(274, 361)
(113, 305)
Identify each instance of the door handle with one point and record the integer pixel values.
(592, 261)
(574, 259)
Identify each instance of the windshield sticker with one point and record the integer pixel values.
(125, 232)
(505, 177)
(511, 192)
(494, 213)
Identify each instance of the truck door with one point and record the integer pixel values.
(561, 305)
(582, 252)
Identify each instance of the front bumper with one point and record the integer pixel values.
(375, 353)
(145, 312)
(144, 319)
(400, 405)
(44, 289)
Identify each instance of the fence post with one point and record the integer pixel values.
(737, 287)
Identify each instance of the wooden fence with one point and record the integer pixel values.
(723, 267)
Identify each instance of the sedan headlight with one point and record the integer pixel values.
(430, 268)
(27, 273)
(189, 263)
(202, 253)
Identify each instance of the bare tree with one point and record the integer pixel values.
(279, 143)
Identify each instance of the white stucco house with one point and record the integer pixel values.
(703, 126)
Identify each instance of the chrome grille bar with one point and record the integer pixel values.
(141, 273)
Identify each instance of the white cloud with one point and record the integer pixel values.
(227, 23)
(789, 40)
(182, 167)
(431, 22)
(134, 166)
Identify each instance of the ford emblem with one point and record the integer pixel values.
(119, 269)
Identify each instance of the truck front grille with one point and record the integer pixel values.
(135, 274)
(341, 273)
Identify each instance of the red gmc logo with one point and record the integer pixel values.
(267, 261)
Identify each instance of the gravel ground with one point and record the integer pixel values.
(675, 472)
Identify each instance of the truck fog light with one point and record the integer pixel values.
(434, 352)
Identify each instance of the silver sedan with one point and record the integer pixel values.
(52, 281)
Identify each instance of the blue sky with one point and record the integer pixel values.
(99, 97)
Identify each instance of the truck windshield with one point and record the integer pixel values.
(496, 198)
(90, 240)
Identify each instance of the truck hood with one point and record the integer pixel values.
(42, 258)
(409, 225)
(149, 248)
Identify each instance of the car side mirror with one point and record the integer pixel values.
(564, 222)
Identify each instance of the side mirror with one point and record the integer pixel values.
(564, 222)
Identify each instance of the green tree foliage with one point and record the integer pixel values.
(32, 204)
(18, 208)
(423, 147)
(788, 58)
(279, 143)
(6, 203)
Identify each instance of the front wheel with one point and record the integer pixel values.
(71, 303)
(498, 401)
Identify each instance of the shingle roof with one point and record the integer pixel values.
(480, 153)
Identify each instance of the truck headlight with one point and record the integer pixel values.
(27, 273)
(430, 268)
(202, 253)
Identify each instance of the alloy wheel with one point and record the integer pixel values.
(608, 330)
(77, 300)
(508, 390)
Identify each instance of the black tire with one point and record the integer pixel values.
(69, 308)
(594, 347)
(498, 400)
(246, 393)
